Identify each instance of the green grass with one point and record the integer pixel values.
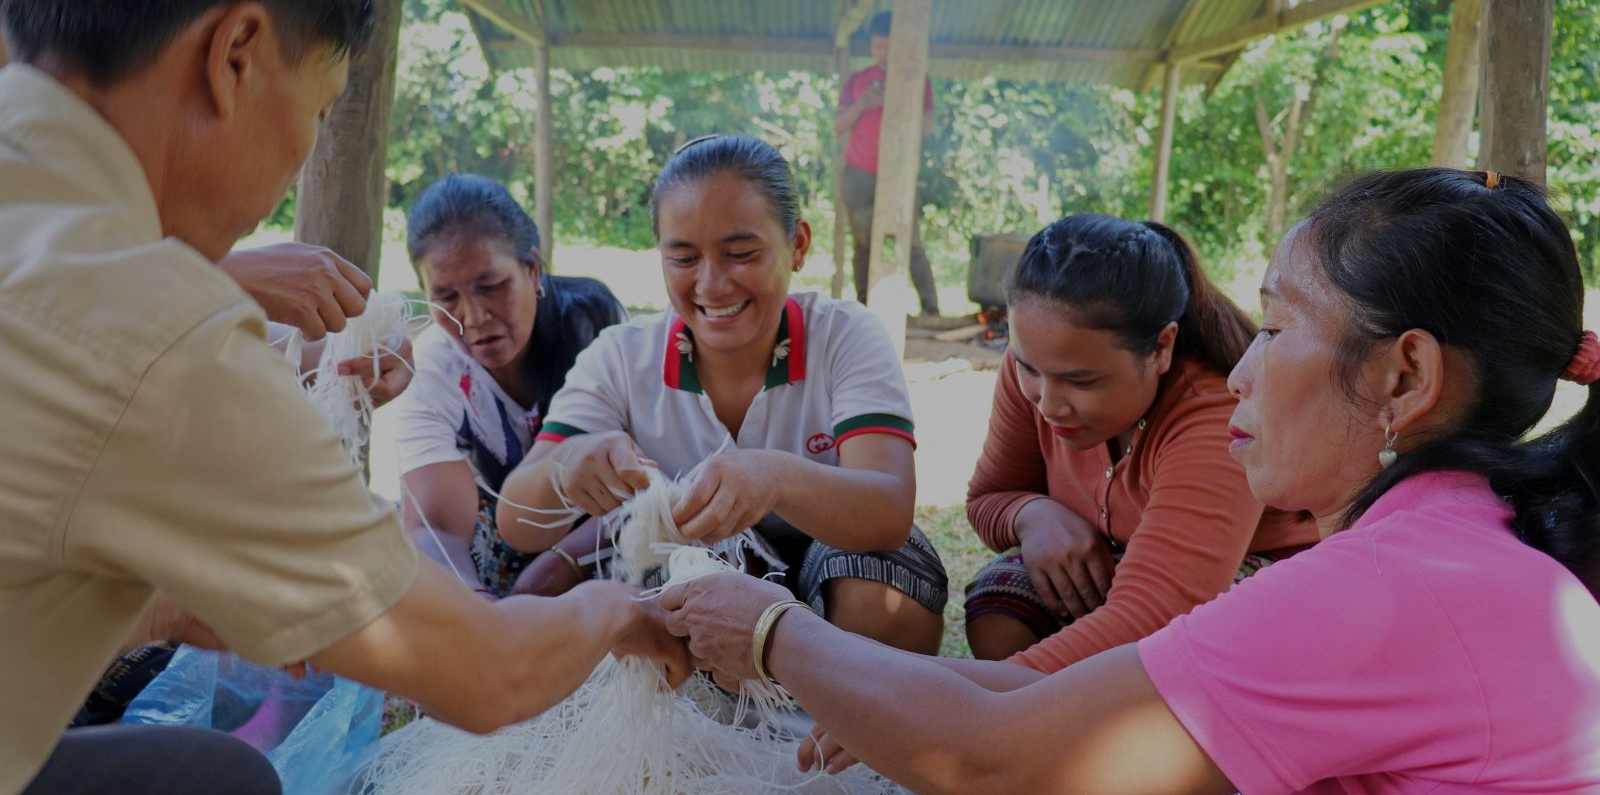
(964, 555)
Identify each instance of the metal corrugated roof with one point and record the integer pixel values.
(1119, 42)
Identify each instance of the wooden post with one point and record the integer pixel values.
(4, 56)
(899, 153)
(1458, 101)
(1169, 117)
(843, 257)
(342, 189)
(543, 160)
(1516, 87)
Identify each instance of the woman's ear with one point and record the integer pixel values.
(801, 244)
(1409, 378)
(1166, 342)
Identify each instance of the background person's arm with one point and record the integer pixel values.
(439, 509)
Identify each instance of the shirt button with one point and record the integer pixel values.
(1108, 471)
(1103, 513)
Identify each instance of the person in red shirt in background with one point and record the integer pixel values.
(861, 114)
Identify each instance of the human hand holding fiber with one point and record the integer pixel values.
(308, 287)
(648, 637)
(718, 614)
(600, 470)
(733, 491)
(386, 376)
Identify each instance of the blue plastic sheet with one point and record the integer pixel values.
(316, 731)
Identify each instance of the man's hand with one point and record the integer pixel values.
(1067, 560)
(308, 287)
(871, 97)
(649, 639)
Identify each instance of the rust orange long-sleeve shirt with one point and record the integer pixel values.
(1178, 506)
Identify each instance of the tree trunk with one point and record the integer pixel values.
(1516, 88)
(1458, 101)
(544, 178)
(1280, 152)
(342, 190)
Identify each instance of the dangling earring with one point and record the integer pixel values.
(1387, 455)
(538, 292)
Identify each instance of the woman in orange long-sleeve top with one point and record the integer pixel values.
(1107, 455)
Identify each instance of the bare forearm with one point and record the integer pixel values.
(532, 485)
(448, 550)
(996, 677)
(860, 510)
(557, 642)
(477, 665)
(876, 702)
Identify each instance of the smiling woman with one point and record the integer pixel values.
(791, 409)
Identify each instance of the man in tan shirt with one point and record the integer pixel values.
(151, 440)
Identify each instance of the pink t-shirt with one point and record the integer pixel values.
(1425, 650)
(862, 152)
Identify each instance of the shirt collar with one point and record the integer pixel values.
(788, 352)
(48, 124)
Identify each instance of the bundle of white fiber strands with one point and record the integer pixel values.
(342, 400)
(620, 733)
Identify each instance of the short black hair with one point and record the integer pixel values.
(109, 40)
(879, 26)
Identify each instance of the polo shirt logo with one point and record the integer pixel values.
(819, 443)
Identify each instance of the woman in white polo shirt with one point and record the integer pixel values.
(505, 333)
(796, 404)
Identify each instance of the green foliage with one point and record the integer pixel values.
(1005, 156)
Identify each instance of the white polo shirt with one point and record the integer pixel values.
(454, 410)
(834, 375)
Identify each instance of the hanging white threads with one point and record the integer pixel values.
(621, 733)
(343, 401)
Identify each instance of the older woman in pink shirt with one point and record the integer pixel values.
(1443, 638)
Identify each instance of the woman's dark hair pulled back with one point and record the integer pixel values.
(1490, 272)
(1132, 279)
(572, 310)
(749, 158)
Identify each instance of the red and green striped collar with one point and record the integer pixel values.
(788, 352)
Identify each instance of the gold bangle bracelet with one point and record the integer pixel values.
(571, 561)
(764, 624)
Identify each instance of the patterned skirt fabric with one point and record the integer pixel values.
(914, 569)
(497, 563)
(1003, 588)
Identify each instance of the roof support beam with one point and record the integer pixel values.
(1179, 31)
(1260, 27)
(507, 19)
(824, 48)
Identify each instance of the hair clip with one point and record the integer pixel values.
(693, 141)
(1491, 179)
